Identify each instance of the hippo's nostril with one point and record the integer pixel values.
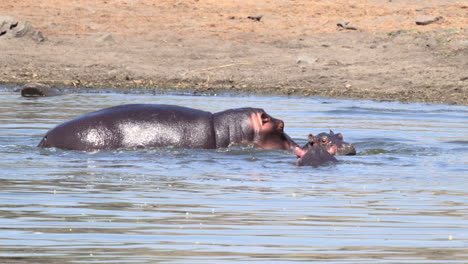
(346, 149)
(280, 125)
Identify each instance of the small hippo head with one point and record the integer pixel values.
(317, 151)
(343, 147)
(321, 140)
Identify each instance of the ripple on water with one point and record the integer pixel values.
(402, 199)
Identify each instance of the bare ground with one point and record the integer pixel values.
(212, 46)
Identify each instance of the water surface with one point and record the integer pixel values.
(402, 199)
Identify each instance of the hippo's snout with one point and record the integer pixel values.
(280, 125)
(43, 143)
(299, 152)
(346, 149)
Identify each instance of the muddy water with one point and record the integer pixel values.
(402, 199)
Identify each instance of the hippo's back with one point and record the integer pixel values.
(134, 125)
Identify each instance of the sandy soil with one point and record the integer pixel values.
(211, 46)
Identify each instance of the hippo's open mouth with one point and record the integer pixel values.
(299, 152)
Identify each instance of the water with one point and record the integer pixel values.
(402, 199)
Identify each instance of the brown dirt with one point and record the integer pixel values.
(212, 46)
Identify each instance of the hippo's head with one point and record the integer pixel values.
(38, 89)
(319, 140)
(269, 131)
(317, 151)
(250, 126)
(343, 147)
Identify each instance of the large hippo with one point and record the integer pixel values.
(319, 150)
(343, 147)
(153, 125)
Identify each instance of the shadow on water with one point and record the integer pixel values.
(402, 199)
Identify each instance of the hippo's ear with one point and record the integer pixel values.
(311, 138)
(331, 132)
(339, 136)
(265, 118)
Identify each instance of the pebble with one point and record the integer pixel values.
(12, 28)
(426, 20)
(106, 38)
(344, 24)
(306, 60)
(255, 18)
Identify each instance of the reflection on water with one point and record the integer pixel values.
(402, 199)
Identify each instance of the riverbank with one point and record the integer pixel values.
(284, 48)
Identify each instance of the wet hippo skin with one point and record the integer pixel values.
(153, 125)
(316, 156)
(343, 147)
(38, 90)
(319, 150)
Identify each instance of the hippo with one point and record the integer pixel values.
(318, 151)
(343, 147)
(38, 89)
(158, 125)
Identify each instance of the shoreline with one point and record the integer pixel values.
(198, 90)
(192, 46)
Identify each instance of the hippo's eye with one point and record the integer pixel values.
(324, 140)
(265, 118)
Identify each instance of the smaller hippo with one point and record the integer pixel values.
(38, 89)
(317, 151)
(343, 147)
